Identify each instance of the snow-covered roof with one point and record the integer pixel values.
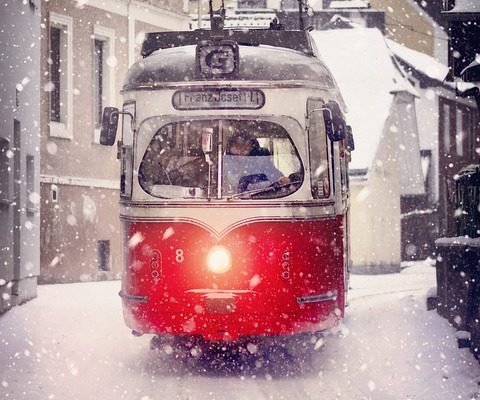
(350, 4)
(420, 61)
(362, 65)
(466, 6)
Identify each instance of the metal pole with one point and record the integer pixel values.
(199, 13)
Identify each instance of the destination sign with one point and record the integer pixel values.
(218, 99)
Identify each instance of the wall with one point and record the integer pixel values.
(408, 24)
(82, 174)
(19, 138)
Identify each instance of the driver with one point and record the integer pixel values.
(248, 165)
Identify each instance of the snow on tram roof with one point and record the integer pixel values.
(256, 63)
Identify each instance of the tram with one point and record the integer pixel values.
(234, 189)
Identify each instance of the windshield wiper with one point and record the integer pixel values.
(273, 187)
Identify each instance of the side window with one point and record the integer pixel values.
(317, 139)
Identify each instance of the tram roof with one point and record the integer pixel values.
(295, 40)
(256, 63)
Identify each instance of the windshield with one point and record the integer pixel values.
(219, 158)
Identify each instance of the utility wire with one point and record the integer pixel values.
(411, 28)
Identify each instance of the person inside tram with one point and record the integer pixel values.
(249, 166)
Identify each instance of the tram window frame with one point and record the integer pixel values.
(127, 154)
(314, 106)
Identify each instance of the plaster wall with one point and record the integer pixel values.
(20, 138)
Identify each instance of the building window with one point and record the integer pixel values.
(32, 197)
(5, 156)
(98, 83)
(55, 73)
(60, 84)
(290, 5)
(103, 78)
(446, 128)
(103, 255)
(459, 133)
(252, 4)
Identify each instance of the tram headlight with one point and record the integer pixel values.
(219, 260)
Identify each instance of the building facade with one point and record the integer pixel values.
(449, 137)
(19, 152)
(386, 163)
(86, 50)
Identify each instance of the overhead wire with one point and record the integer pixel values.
(412, 29)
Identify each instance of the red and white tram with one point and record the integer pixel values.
(222, 242)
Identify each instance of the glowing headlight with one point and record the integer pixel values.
(219, 260)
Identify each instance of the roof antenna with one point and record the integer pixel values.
(217, 21)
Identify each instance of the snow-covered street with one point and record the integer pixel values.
(71, 343)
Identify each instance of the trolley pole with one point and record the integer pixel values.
(300, 14)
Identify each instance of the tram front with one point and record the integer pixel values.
(233, 200)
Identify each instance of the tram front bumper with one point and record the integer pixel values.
(223, 315)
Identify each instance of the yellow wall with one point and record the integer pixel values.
(407, 24)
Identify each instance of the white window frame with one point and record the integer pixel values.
(107, 36)
(64, 128)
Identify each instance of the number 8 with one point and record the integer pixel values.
(179, 256)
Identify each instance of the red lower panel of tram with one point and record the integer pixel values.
(268, 278)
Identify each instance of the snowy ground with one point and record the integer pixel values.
(71, 343)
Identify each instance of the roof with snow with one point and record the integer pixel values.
(421, 62)
(350, 4)
(465, 6)
(362, 65)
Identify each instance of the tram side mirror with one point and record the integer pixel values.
(108, 131)
(334, 122)
(207, 142)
